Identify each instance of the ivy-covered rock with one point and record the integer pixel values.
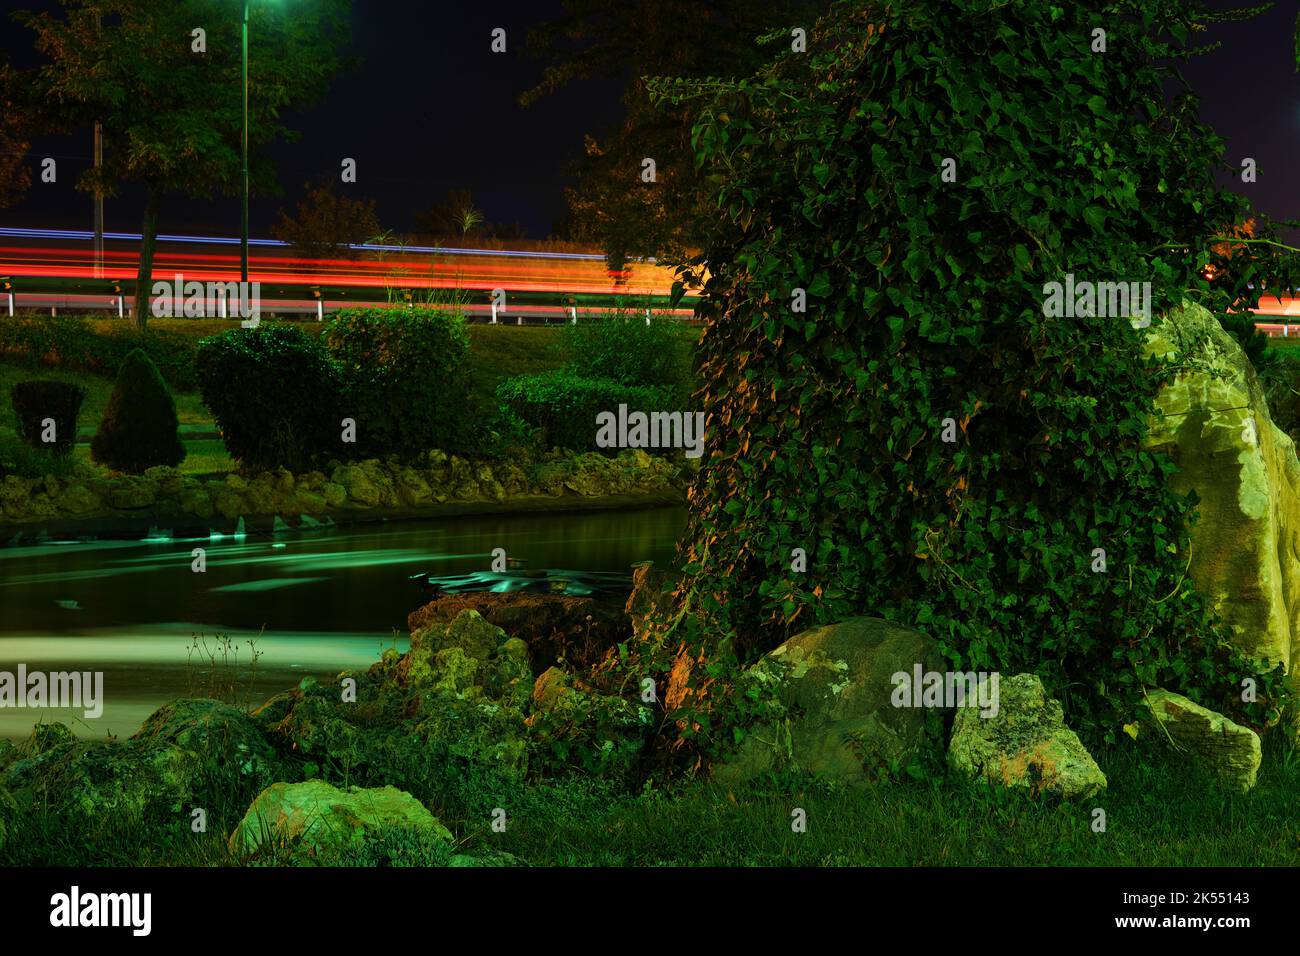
(573, 725)
(1026, 744)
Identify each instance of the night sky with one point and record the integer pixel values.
(430, 109)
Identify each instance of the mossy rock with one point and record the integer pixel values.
(1024, 745)
(314, 821)
(831, 690)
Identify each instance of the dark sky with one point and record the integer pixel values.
(431, 109)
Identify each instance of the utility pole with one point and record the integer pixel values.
(99, 202)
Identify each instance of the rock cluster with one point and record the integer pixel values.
(355, 486)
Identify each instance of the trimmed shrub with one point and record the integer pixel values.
(138, 430)
(562, 406)
(275, 395)
(406, 379)
(38, 401)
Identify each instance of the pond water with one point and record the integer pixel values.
(313, 603)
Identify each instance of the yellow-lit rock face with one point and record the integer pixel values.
(1216, 426)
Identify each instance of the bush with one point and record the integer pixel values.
(620, 346)
(275, 395)
(24, 461)
(72, 343)
(138, 430)
(562, 406)
(37, 401)
(406, 379)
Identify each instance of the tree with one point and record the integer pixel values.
(18, 122)
(172, 108)
(885, 388)
(454, 217)
(326, 223)
(629, 41)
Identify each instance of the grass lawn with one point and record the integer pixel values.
(1158, 813)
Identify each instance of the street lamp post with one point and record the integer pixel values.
(243, 232)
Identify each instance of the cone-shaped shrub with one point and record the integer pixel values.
(138, 430)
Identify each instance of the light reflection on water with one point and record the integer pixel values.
(322, 601)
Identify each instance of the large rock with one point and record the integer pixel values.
(315, 819)
(189, 753)
(1024, 744)
(228, 742)
(578, 630)
(835, 684)
(1228, 750)
(1245, 556)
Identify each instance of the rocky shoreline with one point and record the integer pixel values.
(440, 485)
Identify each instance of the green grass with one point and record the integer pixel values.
(1159, 812)
(190, 409)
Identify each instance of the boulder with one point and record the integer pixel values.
(335, 494)
(167, 479)
(227, 741)
(578, 630)
(366, 483)
(412, 489)
(313, 820)
(225, 498)
(1228, 750)
(1215, 425)
(131, 492)
(195, 500)
(1025, 744)
(832, 688)
(578, 725)
(78, 499)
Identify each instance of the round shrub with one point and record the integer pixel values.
(43, 401)
(274, 393)
(406, 379)
(138, 430)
